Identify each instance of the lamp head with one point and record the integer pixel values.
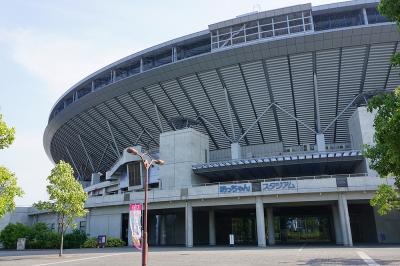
(132, 151)
(160, 162)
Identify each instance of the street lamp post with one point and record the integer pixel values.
(147, 162)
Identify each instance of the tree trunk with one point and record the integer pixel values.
(62, 240)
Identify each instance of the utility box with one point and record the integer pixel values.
(21, 243)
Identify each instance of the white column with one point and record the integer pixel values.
(271, 231)
(336, 225)
(365, 16)
(260, 222)
(211, 226)
(236, 151)
(189, 225)
(320, 142)
(345, 220)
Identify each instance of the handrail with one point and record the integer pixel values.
(280, 179)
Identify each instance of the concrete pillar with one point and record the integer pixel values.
(87, 231)
(336, 225)
(271, 231)
(365, 16)
(211, 226)
(189, 225)
(260, 222)
(320, 142)
(345, 220)
(163, 231)
(236, 151)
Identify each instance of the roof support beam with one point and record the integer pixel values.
(221, 80)
(271, 97)
(102, 157)
(337, 91)
(317, 115)
(137, 140)
(251, 102)
(158, 119)
(256, 121)
(293, 98)
(364, 71)
(87, 154)
(169, 98)
(295, 118)
(142, 109)
(158, 107)
(197, 112)
(209, 100)
(390, 66)
(125, 123)
(228, 107)
(73, 163)
(113, 138)
(77, 129)
(342, 112)
(214, 127)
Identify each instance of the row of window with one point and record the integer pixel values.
(260, 29)
(230, 36)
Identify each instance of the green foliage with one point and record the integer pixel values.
(10, 234)
(7, 135)
(390, 9)
(8, 181)
(46, 239)
(90, 243)
(113, 242)
(386, 198)
(385, 154)
(66, 197)
(8, 191)
(75, 239)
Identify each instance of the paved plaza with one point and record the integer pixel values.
(220, 256)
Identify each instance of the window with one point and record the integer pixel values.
(374, 16)
(82, 226)
(338, 20)
(134, 174)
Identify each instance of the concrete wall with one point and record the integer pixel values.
(388, 227)
(180, 150)
(361, 129)
(19, 215)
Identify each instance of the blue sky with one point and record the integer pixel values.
(47, 46)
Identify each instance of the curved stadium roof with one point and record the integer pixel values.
(245, 63)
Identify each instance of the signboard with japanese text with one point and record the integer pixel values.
(279, 185)
(135, 222)
(234, 188)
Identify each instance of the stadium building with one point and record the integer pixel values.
(261, 121)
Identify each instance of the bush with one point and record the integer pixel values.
(10, 234)
(45, 239)
(113, 242)
(75, 239)
(90, 243)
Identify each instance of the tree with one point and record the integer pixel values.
(8, 181)
(385, 154)
(66, 198)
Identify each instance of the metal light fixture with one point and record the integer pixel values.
(147, 161)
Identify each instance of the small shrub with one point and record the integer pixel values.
(10, 234)
(113, 242)
(45, 240)
(75, 239)
(90, 243)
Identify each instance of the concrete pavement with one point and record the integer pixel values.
(219, 256)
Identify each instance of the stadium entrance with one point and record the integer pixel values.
(303, 224)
